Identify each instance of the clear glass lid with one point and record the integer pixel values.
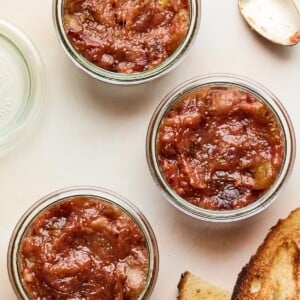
(21, 85)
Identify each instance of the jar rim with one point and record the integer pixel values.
(261, 93)
(133, 78)
(93, 192)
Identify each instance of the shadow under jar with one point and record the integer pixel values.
(83, 243)
(220, 147)
(126, 42)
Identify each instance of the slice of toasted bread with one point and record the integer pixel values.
(273, 273)
(191, 287)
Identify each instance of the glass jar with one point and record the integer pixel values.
(81, 191)
(221, 80)
(133, 78)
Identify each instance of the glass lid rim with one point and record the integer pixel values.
(33, 76)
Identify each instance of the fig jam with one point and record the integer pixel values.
(83, 248)
(220, 148)
(126, 36)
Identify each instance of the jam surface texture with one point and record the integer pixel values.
(126, 36)
(83, 248)
(220, 148)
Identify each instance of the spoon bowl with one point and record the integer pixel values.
(276, 20)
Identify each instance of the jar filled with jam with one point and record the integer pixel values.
(220, 147)
(128, 41)
(83, 243)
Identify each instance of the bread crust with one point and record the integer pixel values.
(191, 287)
(273, 270)
(181, 284)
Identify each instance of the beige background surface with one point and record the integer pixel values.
(94, 133)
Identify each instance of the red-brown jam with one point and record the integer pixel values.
(126, 36)
(83, 249)
(220, 148)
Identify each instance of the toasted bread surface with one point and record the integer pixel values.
(273, 273)
(191, 287)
